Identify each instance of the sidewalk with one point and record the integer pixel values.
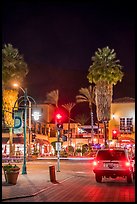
(31, 183)
(35, 181)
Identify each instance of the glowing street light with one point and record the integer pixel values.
(36, 115)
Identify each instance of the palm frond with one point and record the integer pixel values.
(69, 106)
(53, 97)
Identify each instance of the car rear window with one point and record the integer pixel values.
(111, 155)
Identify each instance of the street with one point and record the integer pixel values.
(79, 186)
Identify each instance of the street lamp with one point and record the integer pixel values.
(26, 98)
(24, 169)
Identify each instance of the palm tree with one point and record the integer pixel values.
(53, 97)
(81, 118)
(9, 99)
(105, 72)
(69, 107)
(13, 65)
(87, 95)
(14, 68)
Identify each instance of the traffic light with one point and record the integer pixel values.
(114, 134)
(59, 122)
(33, 137)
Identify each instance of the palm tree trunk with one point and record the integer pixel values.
(98, 132)
(69, 139)
(104, 93)
(10, 141)
(92, 129)
(105, 133)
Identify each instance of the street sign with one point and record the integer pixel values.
(58, 146)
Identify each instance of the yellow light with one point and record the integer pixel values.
(16, 85)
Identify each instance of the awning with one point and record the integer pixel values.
(42, 141)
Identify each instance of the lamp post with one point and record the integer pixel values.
(26, 98)
(29, 149)
(24, 168)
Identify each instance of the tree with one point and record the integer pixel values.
(81, 118)
(14, 68)
(87, 95)
(9, 98)
(105, 72)
(52, 98)
(69, 107)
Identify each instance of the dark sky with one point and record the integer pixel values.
(58, 39)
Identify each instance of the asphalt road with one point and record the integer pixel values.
(80, 186)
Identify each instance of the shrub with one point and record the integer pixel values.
(9, 167)
(78, 150)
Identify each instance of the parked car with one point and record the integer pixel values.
(112, 163)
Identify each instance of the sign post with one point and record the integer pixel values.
(58, 148)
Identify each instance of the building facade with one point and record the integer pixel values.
(121, 130)
(122, 123)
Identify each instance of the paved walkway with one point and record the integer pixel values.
(31, 183)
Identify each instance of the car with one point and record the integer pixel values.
(112, 163)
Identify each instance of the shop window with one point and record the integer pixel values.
(126, 125)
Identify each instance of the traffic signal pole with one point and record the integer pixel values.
(58, 152)
(59, 126)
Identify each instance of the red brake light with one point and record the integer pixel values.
(95, 163)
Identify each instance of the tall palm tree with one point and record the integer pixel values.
(105, 72)
(69, 107)
(13, 65)
(87, 95)
(14, 68)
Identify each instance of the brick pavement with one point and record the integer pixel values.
(30, 183)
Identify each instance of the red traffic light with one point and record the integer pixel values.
(58, 116)
(59, 122)
(114, 134)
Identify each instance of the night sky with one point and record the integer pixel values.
(58, 39)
